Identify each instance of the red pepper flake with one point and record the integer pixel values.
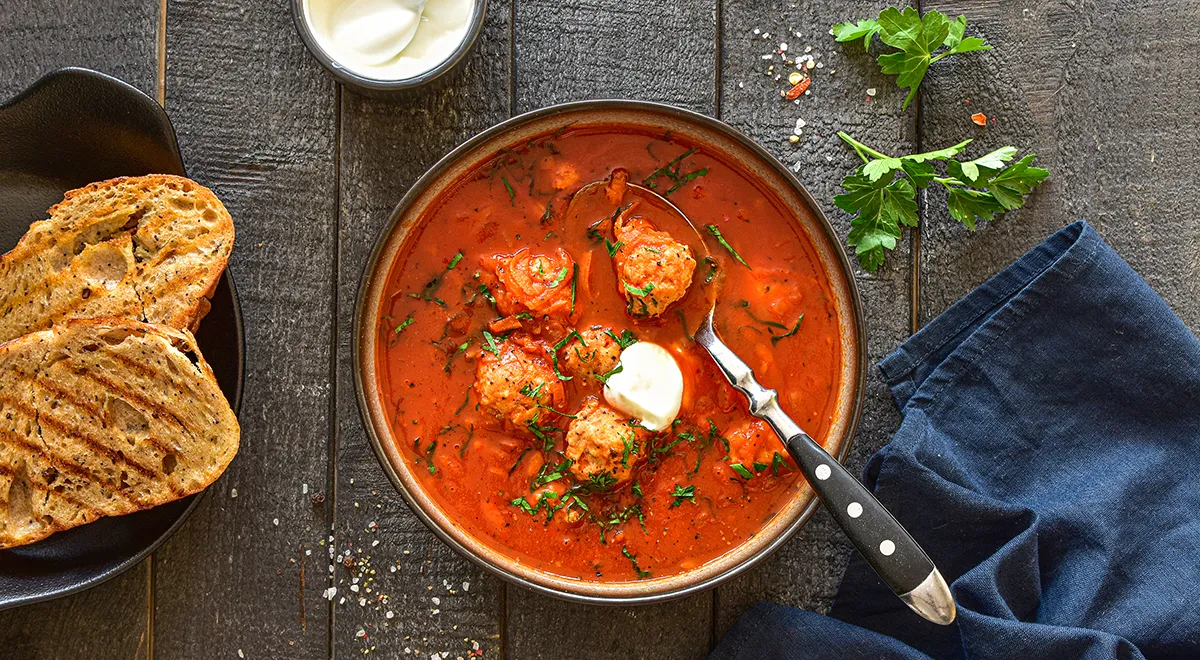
(979, 118)
(801, 87)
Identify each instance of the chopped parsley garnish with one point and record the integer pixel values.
(491, 343)
(685, 178)
(429, 456)
(404, 324)
(525, 315)
(712, 229)
(683, 494)
(458, 256)
(550, 473)
(511, 193)
(644, 291)
(601, 482)
(626, 339)
(714, 434)
(462, 348)
(630, 448)
(633, 560)
(603, 378)
(759, 467)
(776, 463)
(745, 304)
(789, 333)
(742, 470)
(487, 294)
(612, 247)
(563, 342)
(562, 275)
(683, 322)
(671, 171)
(712, 269)
(557, 412)
(532, 392)
(542, 432)
(521, 457)
(548, 214)
(636, 488)
(574, 281)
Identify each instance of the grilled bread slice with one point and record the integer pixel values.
(104, 417)
(149, 247)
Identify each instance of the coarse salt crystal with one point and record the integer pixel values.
(871, 91)
(362, 602)
(800, 123)
(466, 586)
(436, 600)
(276, 521)
(374, 543)
(768, 56)
(354, 588)
(392, 569)
(240, 654)
(757, 31)
(389, 614)
(304, 489)
(330, 593)
(808, 49)
(232, 492)
(783, 46)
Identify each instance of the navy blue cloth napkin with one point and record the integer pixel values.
(1048, 462)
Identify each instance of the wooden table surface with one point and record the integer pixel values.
(1105, 92)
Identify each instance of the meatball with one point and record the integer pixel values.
(536, 284)
(512, 384)
(653, 269)
(594, 352)
(601, 441)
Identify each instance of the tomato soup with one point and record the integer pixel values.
(505, 294)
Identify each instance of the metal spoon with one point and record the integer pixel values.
(885, 544)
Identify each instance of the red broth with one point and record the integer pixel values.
(731, 469)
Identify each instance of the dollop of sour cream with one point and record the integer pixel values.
(389, 39)
(649, 385)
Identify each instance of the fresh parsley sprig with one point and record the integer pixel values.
(917, 37)
(882, 193)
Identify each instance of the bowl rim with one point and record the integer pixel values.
(445, 163)
(478, 13)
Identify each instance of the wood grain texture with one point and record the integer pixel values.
(1105, 94)
(595, 49)
(116, 37)
(439, 602)
(663, 52)
(256, 118)
(112, 620)
(805, 572)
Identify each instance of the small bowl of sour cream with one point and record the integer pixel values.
(389, 45)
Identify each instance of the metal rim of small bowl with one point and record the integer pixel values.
(639, 592)
(380, 85)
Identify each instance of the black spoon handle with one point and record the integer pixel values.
(885, 544)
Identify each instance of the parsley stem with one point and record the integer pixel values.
(860, 148)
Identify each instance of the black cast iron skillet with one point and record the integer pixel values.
(70, 128)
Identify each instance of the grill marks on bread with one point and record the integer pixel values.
(105, 417)
(151, 248)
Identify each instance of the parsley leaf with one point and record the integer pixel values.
(917, 37)
(712, 229)
(683, 494)
(644, 291)
(881, 194)
(865, 29)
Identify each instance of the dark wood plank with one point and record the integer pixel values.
(806, 571)
(256, 118)
(112, 620)
(566, 52)
(1104, 93)
(437, 601)
(118, 38)
(597, 49)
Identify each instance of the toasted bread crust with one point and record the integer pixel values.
(151, 247)
(104, 417)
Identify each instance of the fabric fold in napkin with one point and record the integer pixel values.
(1049, 463)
